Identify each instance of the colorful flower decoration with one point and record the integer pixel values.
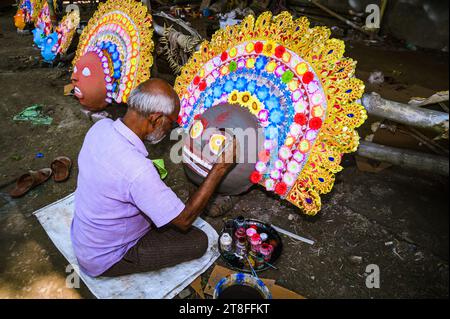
(300, 87)
(122, 31)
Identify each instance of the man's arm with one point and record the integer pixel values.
(198, 201)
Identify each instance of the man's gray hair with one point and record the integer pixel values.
(146, 103)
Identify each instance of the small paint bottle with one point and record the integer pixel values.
(226, 242)
(266, 250)
(250, 232)
(263, 237)
(241, 246)
(255, 243)
(240, 233)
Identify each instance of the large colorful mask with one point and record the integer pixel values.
(49, 47)
(27, 13)
(90, 82)
(59, 41)
(43, 26)
(119, 39)
(295, 82)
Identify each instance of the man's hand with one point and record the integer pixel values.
(228, 157)
(198, 201)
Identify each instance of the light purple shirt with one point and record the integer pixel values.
(117, 185)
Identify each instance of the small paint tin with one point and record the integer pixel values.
(263, 237)
(255, 243)
(226, 242)
(240, 233)
(250, 232)
(241, 247)
(266, 250)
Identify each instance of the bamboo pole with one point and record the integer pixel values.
(406, 114)
(405, 158)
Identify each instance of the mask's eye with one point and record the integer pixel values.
(86, 72)
(216, 143)
(75, 69)
(196, 129)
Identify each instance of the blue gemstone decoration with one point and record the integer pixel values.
(321, 179)
(251, 86)
(208, 102)
(350, 115)
(272, 103)
(117, 74)
(276, 117)
(331, 159)
(217, 91)
(309, 200)
(229, 86)
(262, 93)
(261, 62)
(241, 84)
(349, 91)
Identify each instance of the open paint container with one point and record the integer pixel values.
(231, 252)
(241, 286)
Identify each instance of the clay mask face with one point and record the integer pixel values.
(19, 19)
(49, 47)
(38, 37)
(89, 82)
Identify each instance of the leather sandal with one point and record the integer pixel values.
(30, 180)
(61, 168)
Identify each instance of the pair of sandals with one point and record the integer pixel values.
(59, 168)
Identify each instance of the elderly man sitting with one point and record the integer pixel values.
(126, 219)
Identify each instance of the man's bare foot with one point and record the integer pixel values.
(219, 205)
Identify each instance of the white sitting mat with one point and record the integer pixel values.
(56, 219)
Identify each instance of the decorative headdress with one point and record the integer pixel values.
(43, 25)
(297, 83)
(120, 33)
(28, 11)
(59, 41)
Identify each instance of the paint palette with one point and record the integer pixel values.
(240, 263)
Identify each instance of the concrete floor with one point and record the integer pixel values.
(397, 219)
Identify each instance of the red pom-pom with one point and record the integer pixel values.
(300, 118)
(196, 80)
(258, 47)
(197, 117)
(279, 51)
(255, 177)
(179, 119)
(307, 77)
(281, 188)
(224, 56)
(315, 123)
(202, 86)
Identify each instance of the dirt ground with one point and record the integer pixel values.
(396, 219)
